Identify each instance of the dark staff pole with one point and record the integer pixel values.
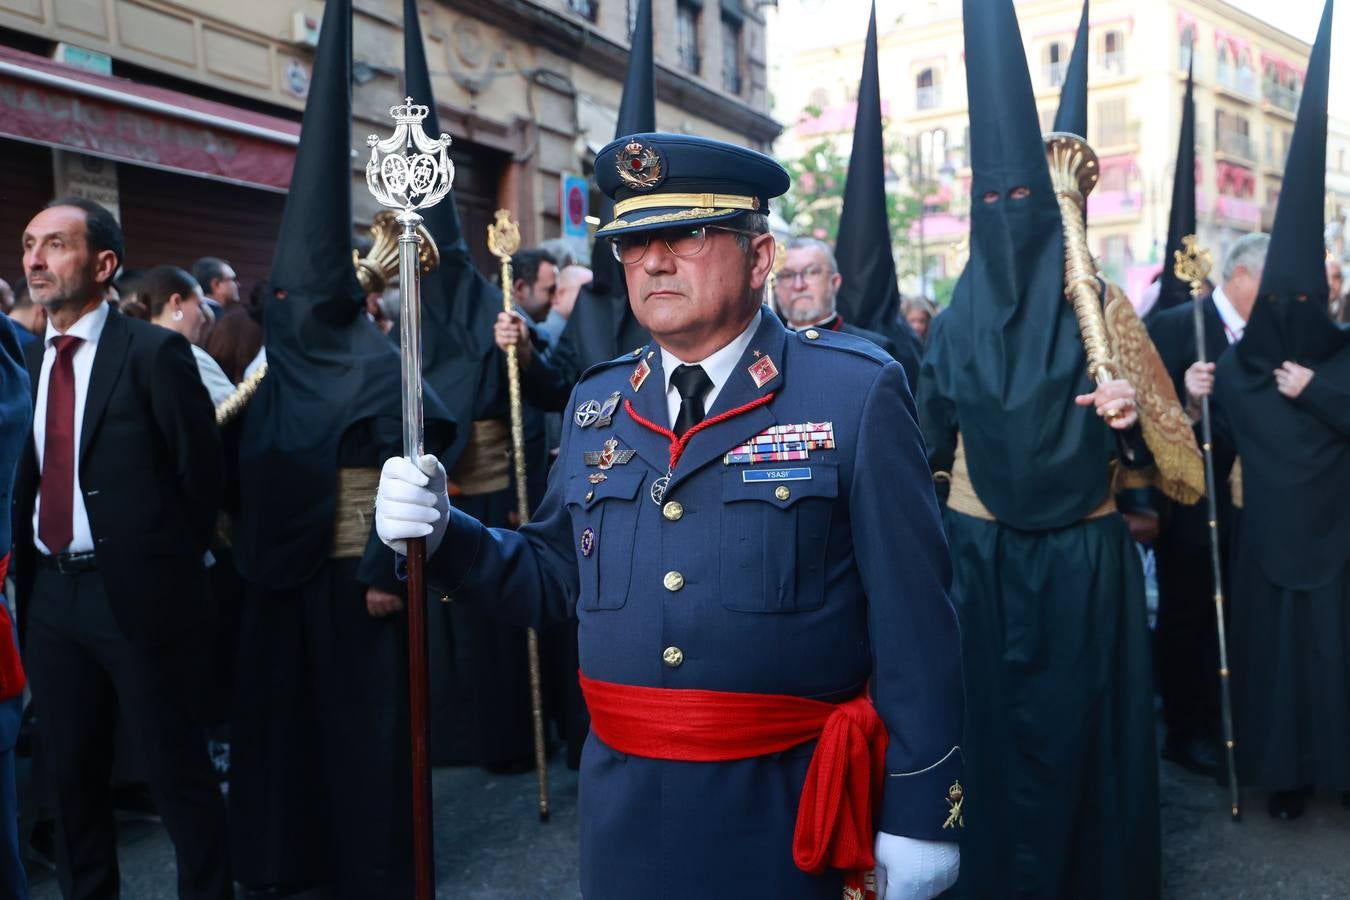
(1192, 266)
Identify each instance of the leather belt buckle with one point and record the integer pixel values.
(73, 563)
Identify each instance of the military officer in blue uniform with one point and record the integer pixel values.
(743, 519)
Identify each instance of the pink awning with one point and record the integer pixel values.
(46, 102)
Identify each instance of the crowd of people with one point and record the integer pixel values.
(764, 697)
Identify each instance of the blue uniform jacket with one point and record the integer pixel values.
(16, 417)
(811, 587)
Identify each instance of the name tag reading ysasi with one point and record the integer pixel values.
(753, 475)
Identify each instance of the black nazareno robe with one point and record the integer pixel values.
(320, 762)
(1291, 572)
(1290, 631)
(1061, 779)
(1061, 775)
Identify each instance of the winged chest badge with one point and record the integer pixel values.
(609, 457)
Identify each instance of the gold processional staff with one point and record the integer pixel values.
(1192, 266)
(504, 241)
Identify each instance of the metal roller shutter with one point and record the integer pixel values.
(176, 219)
(25, 187)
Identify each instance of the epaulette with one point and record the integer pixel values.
(628, 357)
(838, 340)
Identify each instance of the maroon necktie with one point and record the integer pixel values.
(55, 517)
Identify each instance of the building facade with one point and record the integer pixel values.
(184, 115)
(1248, 79)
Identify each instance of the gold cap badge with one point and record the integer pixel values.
(639, 166)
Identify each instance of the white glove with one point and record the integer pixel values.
(911, 869)
(412, 503)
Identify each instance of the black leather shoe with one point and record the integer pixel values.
(1345, 799)
(1193, 754)
(1287, 805)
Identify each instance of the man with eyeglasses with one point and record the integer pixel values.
(775, 692)
(806, 289)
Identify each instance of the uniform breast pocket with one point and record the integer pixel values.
(774, 535)
(604, 523)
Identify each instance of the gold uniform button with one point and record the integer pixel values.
(782, 492)
(589, 496)
(673, 581)
(673, 657)
(812, 334)
(673, 511)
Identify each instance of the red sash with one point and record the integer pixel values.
(835, 816)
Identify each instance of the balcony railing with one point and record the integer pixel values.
(1113, 63)
(1236, 144)
(1236, 80)
(1054, 73)
(928, 97)
(1281, 97)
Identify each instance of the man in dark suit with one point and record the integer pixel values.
(807, 287)
(1186, 648)
(115, 501)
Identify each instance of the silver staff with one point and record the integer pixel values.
(409, 171)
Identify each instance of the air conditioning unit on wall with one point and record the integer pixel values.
(304, 29)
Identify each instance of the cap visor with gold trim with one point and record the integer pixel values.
(661, 180)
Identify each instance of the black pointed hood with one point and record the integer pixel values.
(637, 115)
(1181, 222)
(312, 261)
(1290, 320)
(328, 366)
(1007, 351)
(459, 303)
(1295, 462)
(1073, 94)
(870, 296)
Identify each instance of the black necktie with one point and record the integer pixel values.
(692, 384)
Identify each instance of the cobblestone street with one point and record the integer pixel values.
(490, 845)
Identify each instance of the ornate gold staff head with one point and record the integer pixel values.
(503, 236)
(378, 268)
(1193, 262)
(1073, 166)
(1073, 174)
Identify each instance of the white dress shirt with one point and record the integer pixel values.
(89, 327)
(718, 368)
(1233, 323)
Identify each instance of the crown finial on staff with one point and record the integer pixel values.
(503, 236)
(1193, 262)
(409, 170)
